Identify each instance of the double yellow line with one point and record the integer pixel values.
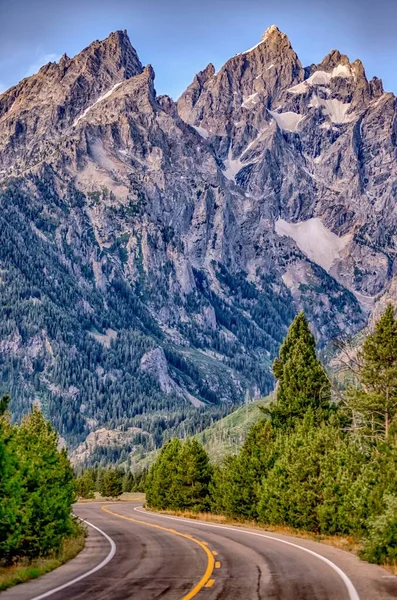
(205, 581)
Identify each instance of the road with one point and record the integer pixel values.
(136, 555)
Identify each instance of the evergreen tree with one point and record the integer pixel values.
(85, 485)
(128, 482)
(376, 398)
(162, 488)
(236, 483)
(302, 381)
(11, 526)
(381, 543)
(48, 486)
(193, 477)
(112, 484)
(99, 480)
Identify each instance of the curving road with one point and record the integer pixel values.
(135, 555)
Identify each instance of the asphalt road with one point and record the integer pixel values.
(140, 556)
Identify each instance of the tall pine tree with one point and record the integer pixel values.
(376, 397)
(48, 486)
(302, 381)
(11, 504)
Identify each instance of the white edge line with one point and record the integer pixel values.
(353, 594)
(88, 573)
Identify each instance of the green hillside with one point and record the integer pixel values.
(227, 435)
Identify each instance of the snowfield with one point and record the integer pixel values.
(336, 110)
(288, 121)
(318, 243)
(321, 78)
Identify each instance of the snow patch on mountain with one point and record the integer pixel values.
(103, 97)
(321, 78)
(250, 101)
(202, 131)
(318, 243)
(288, 121)
(232, 166)
(336, 110)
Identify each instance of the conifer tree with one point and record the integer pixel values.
(236, 484)
(162, 487)
(48, 486)
(99, 480)
(193, 477)
(112, 484)
(128, 482)
(11, 527)
(85, 485)
(302, 381)
(376, 398)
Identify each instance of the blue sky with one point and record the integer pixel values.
(180, 37)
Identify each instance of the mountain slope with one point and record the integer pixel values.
(153, 253)
(226, 436)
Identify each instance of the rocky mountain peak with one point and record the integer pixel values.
(114, 54)
(272, 30)
(41, 108)
(333, 60)
(273, 44)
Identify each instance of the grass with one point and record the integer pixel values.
(24, 570)
(125, 497)
(227, 435)
(347, 543)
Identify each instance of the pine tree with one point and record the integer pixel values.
(376, 398)
(162, 487)
(302, 381)
(99, 481)
(48, 486)
(193, 477)
(112, 484)
(128, 482)
(85, 485)
(11, 526)
(236, 483)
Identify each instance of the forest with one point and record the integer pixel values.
(319, 460)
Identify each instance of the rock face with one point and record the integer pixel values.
(315, 143)
(192, 231)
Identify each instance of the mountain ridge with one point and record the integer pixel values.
(169, 242)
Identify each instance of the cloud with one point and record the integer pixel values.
(41, 60)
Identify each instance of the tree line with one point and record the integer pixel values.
(310, 462)
(109, 482)
(36, 489)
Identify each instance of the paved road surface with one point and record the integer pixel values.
(148, 557)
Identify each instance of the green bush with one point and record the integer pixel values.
(381, 543)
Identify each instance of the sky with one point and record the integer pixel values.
(180, 37)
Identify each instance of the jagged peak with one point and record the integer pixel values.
(272, 38)
(272, 30)
(116, 48)
(203, 76)
(334, 59)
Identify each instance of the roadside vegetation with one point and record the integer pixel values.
(104, 483)
(37, 490)
(311, 463)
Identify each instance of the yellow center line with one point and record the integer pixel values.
(205, 581)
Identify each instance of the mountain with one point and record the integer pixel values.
(153, 252)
